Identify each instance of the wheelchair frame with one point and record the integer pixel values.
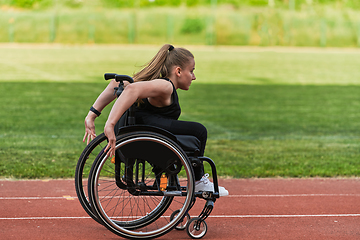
(111, 190)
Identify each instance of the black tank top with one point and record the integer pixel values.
(172, 111)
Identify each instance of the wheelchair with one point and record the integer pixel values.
(148, 188)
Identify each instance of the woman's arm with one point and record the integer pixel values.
(157, 89)
(106, 97)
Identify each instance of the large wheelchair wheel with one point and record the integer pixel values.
(138, 201)
(94, 149)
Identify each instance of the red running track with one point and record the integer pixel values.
(256, 209)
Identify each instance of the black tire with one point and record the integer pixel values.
(181, 224)
(83, 167)
(196, 228)
(142, 214)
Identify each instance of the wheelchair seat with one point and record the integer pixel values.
(190, 144)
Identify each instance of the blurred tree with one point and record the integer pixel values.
(23, 3)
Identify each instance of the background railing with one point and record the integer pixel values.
(272, 23)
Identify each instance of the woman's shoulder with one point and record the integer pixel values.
(154, 82)
(164, 83)
(166, 80)
(157, 88)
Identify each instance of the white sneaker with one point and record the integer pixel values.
(205, 185)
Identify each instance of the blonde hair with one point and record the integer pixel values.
(161, 64)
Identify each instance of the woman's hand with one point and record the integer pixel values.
(110, 134)
(89, 127)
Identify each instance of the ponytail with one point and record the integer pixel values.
(160, 65)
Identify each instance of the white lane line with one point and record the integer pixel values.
(297, 195)
(42, 218)
(68, 197)
(211, 216)
(285, 216)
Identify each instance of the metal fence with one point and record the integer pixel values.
(154, 26)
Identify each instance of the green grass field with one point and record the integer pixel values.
(269, 112)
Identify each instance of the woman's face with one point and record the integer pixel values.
(187, 75)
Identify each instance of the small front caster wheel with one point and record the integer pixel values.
(183, 223)
(196, 228)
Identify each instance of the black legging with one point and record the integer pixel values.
(178, 127)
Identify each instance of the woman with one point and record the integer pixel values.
(155, 90)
